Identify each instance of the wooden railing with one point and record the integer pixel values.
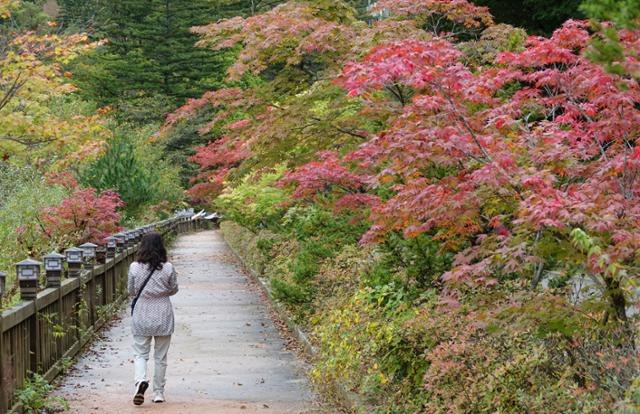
(43, 335)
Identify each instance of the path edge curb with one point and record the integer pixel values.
(347, 399)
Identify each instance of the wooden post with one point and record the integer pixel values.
(34, 338)
(60, 339)
(108, 286)
(77, 295)
(92, 299)
(117, 274)
(28, 274)
(3, 372)
(114, 284)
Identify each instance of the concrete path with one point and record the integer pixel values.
(227, 355)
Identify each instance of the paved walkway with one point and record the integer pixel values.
(227, 355)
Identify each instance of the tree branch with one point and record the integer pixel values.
(465, 123)
(25, 142)
(12, 91)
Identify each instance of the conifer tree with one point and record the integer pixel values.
(81, 15)
(150, 53)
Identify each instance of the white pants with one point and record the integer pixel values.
(141, 349)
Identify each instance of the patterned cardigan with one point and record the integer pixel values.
(153, 314)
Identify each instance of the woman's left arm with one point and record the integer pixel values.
(173, 282)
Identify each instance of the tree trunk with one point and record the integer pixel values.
(618, 305)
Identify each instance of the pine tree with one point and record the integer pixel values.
(150, 55)
(81, 15)
(182, 70)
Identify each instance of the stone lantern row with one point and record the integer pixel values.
(77, 258)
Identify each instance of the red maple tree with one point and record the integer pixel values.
(83, 216)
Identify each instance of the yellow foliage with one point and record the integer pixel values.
(6, 6)
(34, 127)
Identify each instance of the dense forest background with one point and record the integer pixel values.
(149, 66)
(444, 193)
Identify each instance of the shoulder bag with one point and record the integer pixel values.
(135, 300)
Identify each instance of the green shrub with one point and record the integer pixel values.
(12, 178)
(133, 168)
(265, 245)
(35, 397)
(256, 202)
(364, 342)
(289, 293)
(420, 260)
(496, 359)
(305, 265)
(246, 243)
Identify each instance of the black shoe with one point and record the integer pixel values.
(141, 387)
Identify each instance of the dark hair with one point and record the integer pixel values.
(152, 251)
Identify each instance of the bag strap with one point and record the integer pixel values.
(133, 304)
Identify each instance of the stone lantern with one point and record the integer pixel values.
(53, 267)
(89, 253)
(28, 272)
(101, 254)
(75, 258)
(121, 241)
(112, 242)
(129, 238)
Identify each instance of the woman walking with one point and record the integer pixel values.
(152, 280)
